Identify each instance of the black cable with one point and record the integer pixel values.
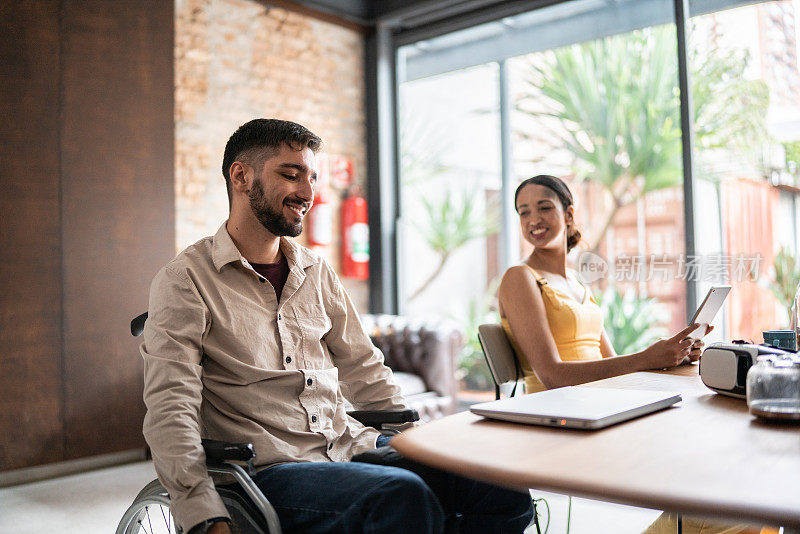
(536, 515)
(517, 373)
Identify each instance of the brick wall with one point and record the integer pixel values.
(236, 60)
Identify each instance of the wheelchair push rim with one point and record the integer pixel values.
(149, 513)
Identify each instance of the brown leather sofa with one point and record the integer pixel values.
(423, 356)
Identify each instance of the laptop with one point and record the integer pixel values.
(577, 407)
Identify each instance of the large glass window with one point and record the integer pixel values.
(593, 98)
(449, 200)
(590, 91)
(604, 115)
(747, 130)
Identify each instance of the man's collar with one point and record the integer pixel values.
(297, 255)
(224, 251)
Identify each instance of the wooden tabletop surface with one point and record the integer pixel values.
(706, 456)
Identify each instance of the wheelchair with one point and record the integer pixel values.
(250, 510)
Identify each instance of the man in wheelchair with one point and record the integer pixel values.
(251, 338)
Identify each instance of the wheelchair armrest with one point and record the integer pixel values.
(219, 451)
(376, 418)
(137, 324)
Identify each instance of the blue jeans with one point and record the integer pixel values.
(398, 497)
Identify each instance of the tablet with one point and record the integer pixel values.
(708, 309)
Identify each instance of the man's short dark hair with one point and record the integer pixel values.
(255, 141)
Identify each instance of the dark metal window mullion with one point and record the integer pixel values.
(687, 138)
(382, 180)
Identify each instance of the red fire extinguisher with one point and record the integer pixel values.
(320, 221)
(355, 238)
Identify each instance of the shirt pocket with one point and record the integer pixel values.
(313, 324)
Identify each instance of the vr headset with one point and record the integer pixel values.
(724, 366)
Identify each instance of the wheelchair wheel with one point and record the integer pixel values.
(149, 513)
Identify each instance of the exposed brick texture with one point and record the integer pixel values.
(236, 60)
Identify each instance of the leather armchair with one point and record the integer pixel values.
(423, 356)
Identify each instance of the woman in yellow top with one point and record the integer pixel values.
(552, 321)
(555, 326)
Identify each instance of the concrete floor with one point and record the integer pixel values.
(86, 503)
(590, 517)
(93, 502)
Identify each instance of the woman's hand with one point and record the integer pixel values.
(671, 351)
(697, 347)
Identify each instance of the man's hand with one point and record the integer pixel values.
(220, 527)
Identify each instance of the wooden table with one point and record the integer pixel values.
(707, 456)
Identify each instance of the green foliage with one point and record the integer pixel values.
(729, 110)
(631, 321)
(472, 366)
(617, 108)
(423, 146)
(792, 149)
(614, 103)
(786, 277)
(450, 223)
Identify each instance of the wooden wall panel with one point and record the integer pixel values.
(31, 427)
(118, 207)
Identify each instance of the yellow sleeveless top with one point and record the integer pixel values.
(576, 328)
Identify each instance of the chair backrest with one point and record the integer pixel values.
(499, 354)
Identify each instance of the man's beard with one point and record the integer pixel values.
(272, 220)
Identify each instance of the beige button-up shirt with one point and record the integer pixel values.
(224, 359)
